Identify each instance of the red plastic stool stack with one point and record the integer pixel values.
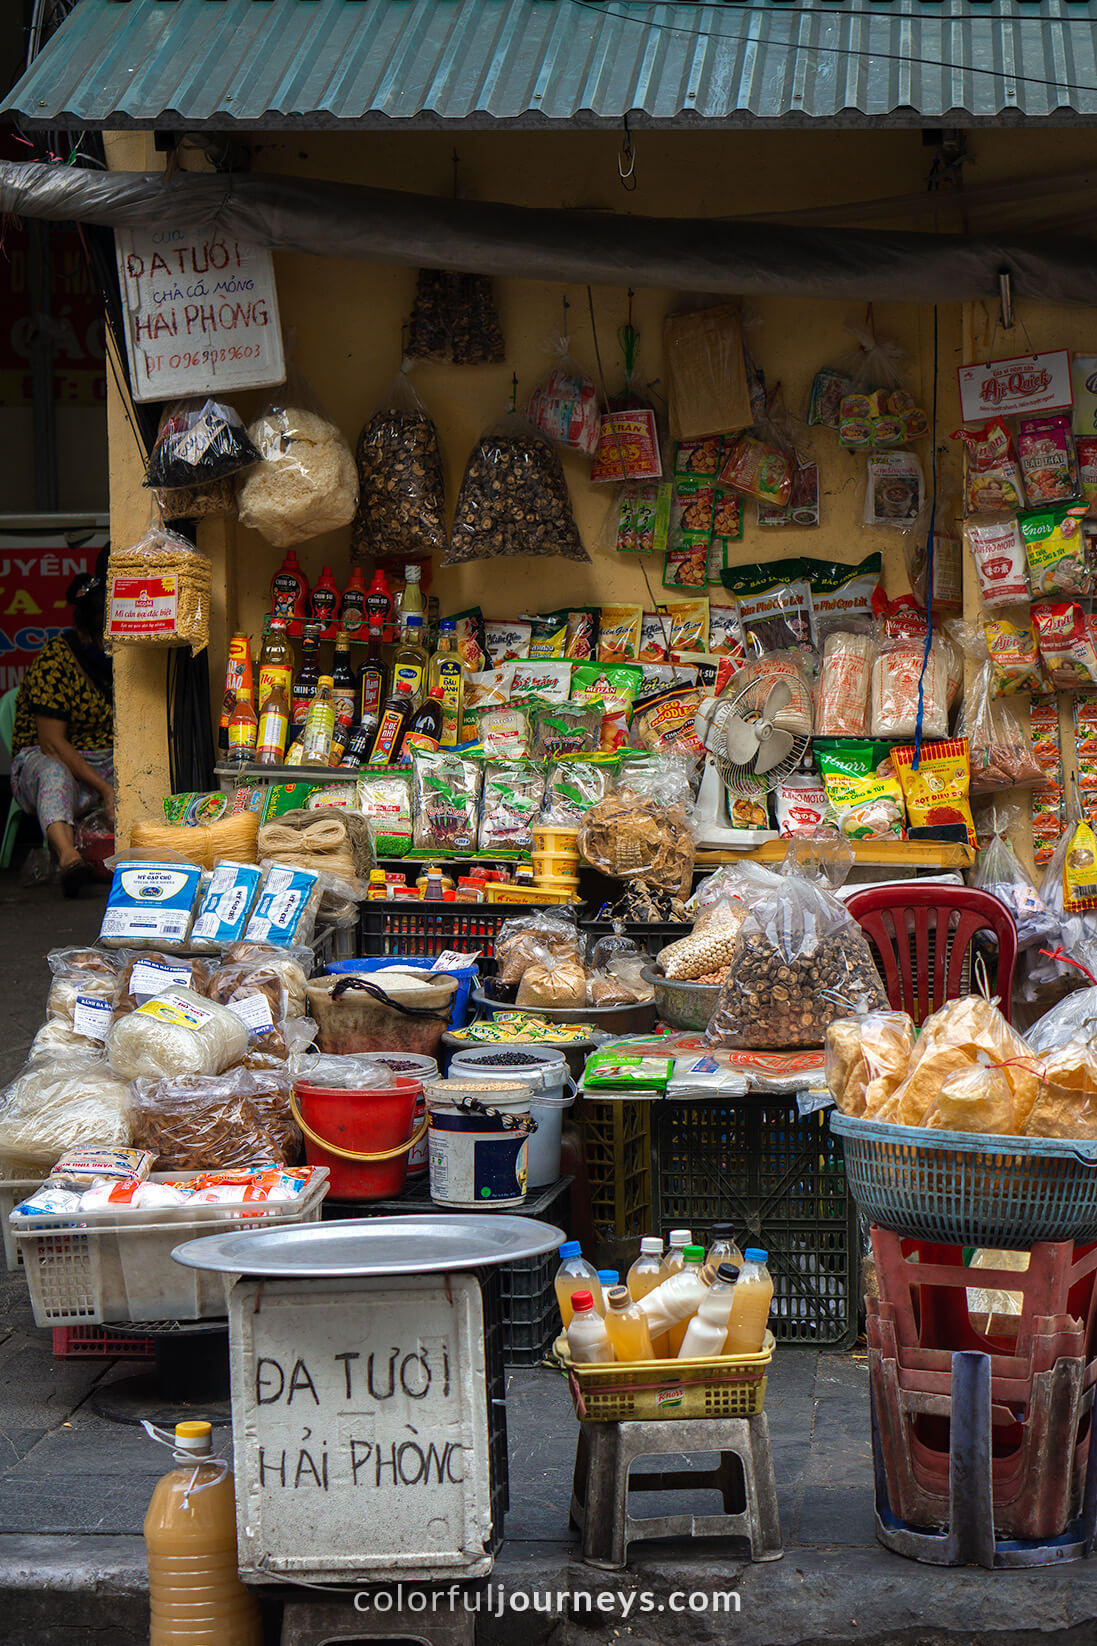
(1040, 1367)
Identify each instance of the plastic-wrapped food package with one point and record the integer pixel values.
(293, 966)
(55, 1039)
(512, 796)
(709, 947)
(633, 837)
(177, 1033)
(150, 904)
(285, 910)
(1074, 1018)
(145, 974)
(401, 483)
(959, 1036)
(159, 592)
(1000, 873)
(447, 797)
(200, 440)
(564, 405)
(557, 981)
(1066, 1104)
(994, 483)
(800, 963)
(842, 693)
(227, 902)
(513, 499)
(998, 748)
(867, 1059)
(51, 1107)
(521, 938)
(82, 994)
(1057, 551)
(1014, 656)
(254, 991)
(572, 787)
(895, 677)
(1067, 636)
(192, 1122)
(306, 483)
(978, 1099)
(999, 555)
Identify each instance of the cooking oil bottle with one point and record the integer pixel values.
(196, 1597)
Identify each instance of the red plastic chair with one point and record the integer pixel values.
(922, 935)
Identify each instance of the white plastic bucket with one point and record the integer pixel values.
(552, 1091)
(479, 1143)
(419, 1067)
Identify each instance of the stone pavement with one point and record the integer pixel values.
(75, 1481)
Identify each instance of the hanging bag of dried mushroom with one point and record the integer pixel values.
(800, 963)
(401, 485)
(514, 499)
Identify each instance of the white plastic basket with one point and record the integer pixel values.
(115, 1268)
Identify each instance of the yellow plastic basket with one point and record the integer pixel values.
(723, 1386)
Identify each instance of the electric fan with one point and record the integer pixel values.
(753, 739)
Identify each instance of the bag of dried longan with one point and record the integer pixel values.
(800, 963)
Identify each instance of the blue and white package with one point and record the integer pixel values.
(223, 914)
(286, 911)
(150, 904)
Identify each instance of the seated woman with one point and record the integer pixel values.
(62, 743)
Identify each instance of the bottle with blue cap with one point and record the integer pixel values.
(608, 1278)
(575, 1274)
(751, 1299)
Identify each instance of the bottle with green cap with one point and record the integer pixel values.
(750, 1305)
(196, 1597)
(673, 1301)
(575, 1274)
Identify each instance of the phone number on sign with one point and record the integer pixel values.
(211, 357)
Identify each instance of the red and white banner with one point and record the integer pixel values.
(1027, 383)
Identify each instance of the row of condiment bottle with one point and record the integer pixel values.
(686, 1304)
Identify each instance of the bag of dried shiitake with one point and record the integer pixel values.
(801, 962)
(514, 499)
(401, 483)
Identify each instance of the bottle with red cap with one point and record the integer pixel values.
(352, 607)
(325, 603)
(289, 594)
(379, 604)
(588, 1340)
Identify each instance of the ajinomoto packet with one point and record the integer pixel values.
(936, 792)
(1080, 871)
(619, 636)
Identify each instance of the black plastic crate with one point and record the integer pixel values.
(426, 930)
(529, 1320)
(646, 934)
(779, 1178)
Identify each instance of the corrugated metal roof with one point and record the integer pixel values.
(316, 64)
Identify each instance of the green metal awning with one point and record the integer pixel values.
(440, 64)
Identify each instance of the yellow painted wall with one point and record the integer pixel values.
(347, 318)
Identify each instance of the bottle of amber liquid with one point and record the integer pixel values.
(196, 1597)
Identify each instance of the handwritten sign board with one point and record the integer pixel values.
(360, 1428)
(1026, 384)
(201, 312)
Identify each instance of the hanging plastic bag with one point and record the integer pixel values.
(628, 436)
(401, 484)
(564, 405)
(455, 318)
(896, 674)
(200, 440)
(1014, 656)
(999, 872)
(306, 483)
(158, 592)
(998, 747)
(895, 491)
(999, 556)
(1077, 938)
(514, 499)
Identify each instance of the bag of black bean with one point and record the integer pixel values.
(199, 441)
(514, 499)
(401, 483)
(800, 963)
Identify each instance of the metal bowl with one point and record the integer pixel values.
(682, 1005)
(614, 1019)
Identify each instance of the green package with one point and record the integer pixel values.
(613, 1070)
(593, 681)
(288, 797)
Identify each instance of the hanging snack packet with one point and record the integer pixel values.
(619, 633)
(687, 565)
(802, 508)
(1055, 546)
(643, 517)
(663, 723)
(994, 483)
(688, 625)
(936, 794)
(504, 733)
(864, 796)
(512, 797)
(472, 646)
(597, 682)
(572, 788)
(999, 554)
(401, 483)
(514, 499)
(774, 606)
(727, 516)
(1014, 656)
(828, 389)
(700, 458)
(654, 637)
(895, 491)
(564, 406)
(488, 690)
(1067, 638)
(761, 470)
(800, 804)
(1049, 463)
(581, 643)
(1080, 871)
(447, 796)
(507, 641)
(628, 447)
(725, 632)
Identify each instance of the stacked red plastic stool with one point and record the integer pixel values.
(983, 1428)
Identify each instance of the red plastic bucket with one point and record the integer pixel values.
(363, 1137)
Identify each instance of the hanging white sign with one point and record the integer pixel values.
(1027, 383)
(201, 312)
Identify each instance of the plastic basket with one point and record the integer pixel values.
(722, 1386)
(425, 930)
(97, 1343)
(778, 1177)
(459, 1014)
(615, 1129)
(970, 1190)
(115, 1266)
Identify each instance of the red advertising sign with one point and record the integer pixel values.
(35, 571)
(1027, 383)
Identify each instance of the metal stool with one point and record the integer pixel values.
(743, 1477)
(326, 1622)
